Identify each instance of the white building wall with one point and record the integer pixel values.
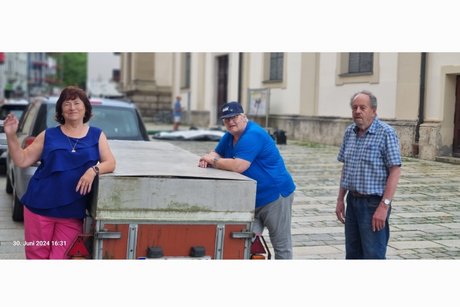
(396, 86)
(437, 62)
(100, 66)
(164, 69)
(176, 74)
(285, 99)
(177, 66)
(210, 90)
(256, 64)
(233, 77)
(334, 100)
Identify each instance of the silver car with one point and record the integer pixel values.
(119, 120)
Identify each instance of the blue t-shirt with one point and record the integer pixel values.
(51, 190)
(177, 108)
(267, 166)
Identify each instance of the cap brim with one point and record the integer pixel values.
(229, 115)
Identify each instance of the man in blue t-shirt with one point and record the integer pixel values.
(177, 113)
(248, 149)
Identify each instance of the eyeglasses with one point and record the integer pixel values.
(233, 118)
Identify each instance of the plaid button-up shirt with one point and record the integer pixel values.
(367, 158)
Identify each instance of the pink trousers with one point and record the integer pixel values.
(49, 237)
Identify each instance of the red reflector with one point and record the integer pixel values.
(259, 248)
(80, 248)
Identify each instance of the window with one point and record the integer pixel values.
(357, 67)
(116, 75)
(276, 66)
(360, 62)
(273, 70)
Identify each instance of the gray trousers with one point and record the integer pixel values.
(276, 216)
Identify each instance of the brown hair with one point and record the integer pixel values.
(70, 93)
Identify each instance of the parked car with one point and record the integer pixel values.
(16, 106)
(119, 120)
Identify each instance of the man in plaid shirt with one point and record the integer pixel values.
(371, 158)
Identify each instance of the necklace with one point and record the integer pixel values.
(74, 145)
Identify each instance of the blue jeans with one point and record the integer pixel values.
(361, 242)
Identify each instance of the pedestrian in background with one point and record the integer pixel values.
(71, 156)
(248, 149)
(177, 113)
(371, 158)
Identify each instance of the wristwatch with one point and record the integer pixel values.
(96, 170)
(386, 202)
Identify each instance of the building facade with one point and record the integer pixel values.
(13, 75)
(146, 79)
(308, 94)
(103, 74)
(26, 74)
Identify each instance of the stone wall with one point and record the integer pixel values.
(430, 141)
(329, 130)
(154, 102)
(199, 119)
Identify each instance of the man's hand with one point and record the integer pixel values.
(340, 210)
(207, 160)
(379, 218)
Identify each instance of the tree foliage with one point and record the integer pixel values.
(71, 68)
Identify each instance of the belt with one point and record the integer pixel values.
(358, 195)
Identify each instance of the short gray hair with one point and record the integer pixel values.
(371, 96)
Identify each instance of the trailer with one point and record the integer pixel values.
(158, 204)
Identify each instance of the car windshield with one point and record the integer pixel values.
(117, 123)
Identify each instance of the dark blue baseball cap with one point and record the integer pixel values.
(231, 109)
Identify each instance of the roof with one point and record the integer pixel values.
(100, 101)
(15, 102)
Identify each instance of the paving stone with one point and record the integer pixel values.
(424, 223)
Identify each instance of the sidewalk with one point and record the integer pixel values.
(425, 218)
(151, 127)
(424, 223)
(154, 127)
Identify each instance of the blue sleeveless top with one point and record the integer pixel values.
(51, 190)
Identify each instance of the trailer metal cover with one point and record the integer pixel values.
(159, 197)
(157, 181)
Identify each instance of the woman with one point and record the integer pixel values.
(72, 154)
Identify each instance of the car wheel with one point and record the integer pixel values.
(18, 209)
(9, 187)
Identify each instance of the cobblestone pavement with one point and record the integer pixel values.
(425, 218)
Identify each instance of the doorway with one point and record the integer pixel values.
(456, 143)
